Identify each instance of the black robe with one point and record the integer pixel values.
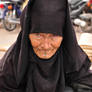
(22, 71)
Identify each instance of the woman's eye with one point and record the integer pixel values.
(52, 38)
(38, 35)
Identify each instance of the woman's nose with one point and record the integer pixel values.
(46, 44)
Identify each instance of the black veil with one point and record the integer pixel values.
(17, 57)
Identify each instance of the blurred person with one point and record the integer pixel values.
(46, 56)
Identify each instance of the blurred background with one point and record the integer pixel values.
(80, 13)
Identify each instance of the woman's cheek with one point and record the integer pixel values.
(57, 43)
(35, 43)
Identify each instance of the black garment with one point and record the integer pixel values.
(45, 75)
(68, 89)
(21, 72)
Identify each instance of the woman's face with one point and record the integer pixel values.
(45, 44)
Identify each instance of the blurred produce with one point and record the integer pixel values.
(81, 15)
(89, 6)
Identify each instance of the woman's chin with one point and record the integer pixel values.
(45, 56)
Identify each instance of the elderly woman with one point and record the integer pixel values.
(46, 56)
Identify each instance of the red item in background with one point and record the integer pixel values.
(1, 6)
(90, 1)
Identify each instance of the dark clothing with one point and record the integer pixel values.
(68, 89)
(23, 71)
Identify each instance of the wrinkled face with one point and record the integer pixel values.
(45, 44)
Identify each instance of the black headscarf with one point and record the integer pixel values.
(39, 75)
